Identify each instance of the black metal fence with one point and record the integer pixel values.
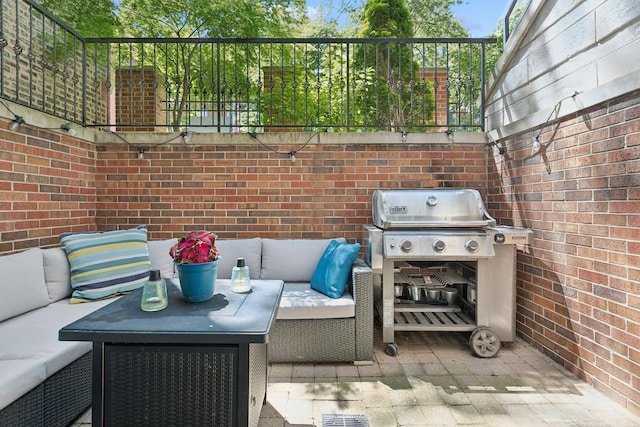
(240, 85)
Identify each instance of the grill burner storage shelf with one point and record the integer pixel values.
(432, 301)
(437, 298)
(440, 263)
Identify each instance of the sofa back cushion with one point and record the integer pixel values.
(231, 250)
(292, 260)
(22, 285)
(160, 258)
(56, 273)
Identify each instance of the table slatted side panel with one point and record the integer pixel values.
(257, 381)
(196, 384)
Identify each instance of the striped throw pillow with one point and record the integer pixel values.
(106, 264)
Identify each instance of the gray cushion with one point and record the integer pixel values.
(299, 301)
(22, 286)
(35, 334)
(231, 250)
(56, 273)
(17, 377)
(160, 258)
(292, 260)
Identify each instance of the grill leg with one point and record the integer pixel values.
(387, 301)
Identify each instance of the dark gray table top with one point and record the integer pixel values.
(227, 318)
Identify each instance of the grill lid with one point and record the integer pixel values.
(429, 208)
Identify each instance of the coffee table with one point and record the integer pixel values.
(199, 364)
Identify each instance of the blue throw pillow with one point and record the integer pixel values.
(331, 273)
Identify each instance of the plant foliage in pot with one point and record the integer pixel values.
(196, 259)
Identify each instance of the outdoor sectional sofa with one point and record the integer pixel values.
(44, 381)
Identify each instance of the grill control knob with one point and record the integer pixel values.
(472, 246)
(406, 246)
(439, 246)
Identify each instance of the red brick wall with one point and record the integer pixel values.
(578, 291)
(246, 191)
(438, 76)
(53, 183)
(47, 186)
(139, 101)
(578, 284)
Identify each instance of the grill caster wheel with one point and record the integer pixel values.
(484, 342)
(391, 349)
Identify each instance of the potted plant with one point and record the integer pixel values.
(196, 259)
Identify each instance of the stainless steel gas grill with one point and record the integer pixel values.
(441, 263)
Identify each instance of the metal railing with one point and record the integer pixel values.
(239, 85)
(42, 61)
(512, 17)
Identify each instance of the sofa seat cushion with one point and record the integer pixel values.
(34, 335)
(299, 301)
(22, 285)
(292, 260)
(17, 377)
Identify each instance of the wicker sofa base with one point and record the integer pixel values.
(326, 339)
(312, 340)
(58, 401)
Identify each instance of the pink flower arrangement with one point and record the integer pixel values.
(196, 247)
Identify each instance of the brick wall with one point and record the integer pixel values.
(246, 191)
(579, 284)
(138, 100)
(47, 186)
(439, 78)
(52, 183)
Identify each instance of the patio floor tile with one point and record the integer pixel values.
(435, 380)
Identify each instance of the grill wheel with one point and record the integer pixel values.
(484, 342)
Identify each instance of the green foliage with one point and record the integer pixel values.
(433, 18)
(382, 86)
(89, 18)
(189, 71)
(207, 18)
(400, 99)
(386, 18)
(312, 90)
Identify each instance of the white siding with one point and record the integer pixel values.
(562, 47)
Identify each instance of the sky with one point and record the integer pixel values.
(479, 17)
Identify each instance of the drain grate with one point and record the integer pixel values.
(339, 420)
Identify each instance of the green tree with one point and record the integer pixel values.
(387, 18)
(189, 70)
(430, 18)
(400, 99)
(433, 18)
(89, 18)
(207, 18)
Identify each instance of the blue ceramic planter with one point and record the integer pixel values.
(197, 281)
